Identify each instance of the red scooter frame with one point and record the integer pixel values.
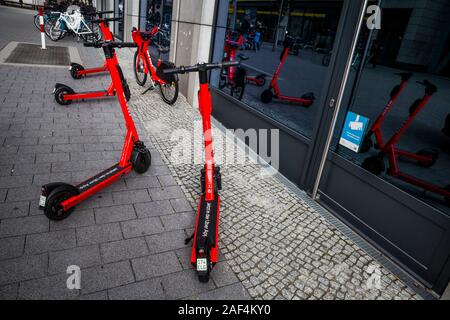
(59, 199)
(205, 247)
(77, 71)
(274, 91)
(375, 164)
(143, 66)
(375, 130)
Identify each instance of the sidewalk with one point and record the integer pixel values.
(128, 240)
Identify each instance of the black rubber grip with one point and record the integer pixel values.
(98, 13)
(124, 44)
(106, 20)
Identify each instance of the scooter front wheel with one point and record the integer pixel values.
(141, 159)
(366, 145)
(267, 96)
(431, 154)
(374, 165)
(53, 209)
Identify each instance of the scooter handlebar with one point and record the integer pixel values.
(430, 88)
(110, 43)
(107, 20)
(201, 67)
(98, 13)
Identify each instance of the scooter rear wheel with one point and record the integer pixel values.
(433, 155)
(309, 97)
(374, 164)
(53, 209)
(75, 68)
(59, 95)
(267, 96)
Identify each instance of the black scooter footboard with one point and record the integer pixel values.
(207, 224)
(102, 176)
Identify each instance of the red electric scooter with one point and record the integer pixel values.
(206, 235)
(143, 66)
(375, 130)
(77, 71)
(375, 164)
(274, 91)
(59, 199)
(237, 78)
(64, 95)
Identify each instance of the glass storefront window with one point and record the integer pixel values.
(119, 12)
(400, 82)
(290, 41)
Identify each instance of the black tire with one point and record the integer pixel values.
(59, 94)
(429, 153)
(366, 145)
(36, 22)
(203, 278)
(374, 164)
(75, 68)
(142, 160)
(52, 209)
(140, 76)
(267, 96)
(310, 97)
(52, 31)
(170, 100)
(237, 91)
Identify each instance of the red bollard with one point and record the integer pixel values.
(41, 22)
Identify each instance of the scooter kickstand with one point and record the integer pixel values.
(148, 89)
(189, 239)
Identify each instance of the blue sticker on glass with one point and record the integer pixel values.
(354, 130)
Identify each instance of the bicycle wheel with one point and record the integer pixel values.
(169, 92)
(36, 22)
(91, 32)
(139, 73)
(56, 32)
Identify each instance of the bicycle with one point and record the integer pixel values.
(143, 67)
(72, 23)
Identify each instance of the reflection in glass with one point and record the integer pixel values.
(400, 81)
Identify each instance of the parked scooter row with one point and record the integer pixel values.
(424, 158)
(58, 199)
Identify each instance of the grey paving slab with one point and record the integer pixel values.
(231, 292)
(184, 284)
(123, 249)
(155, 265)
(106, 277)
(14, 209)
(25, 225)
(47, 288)
(154, 208)
(11, 247)
(82, 257)
(142, 290)
(23, 268)
(166, 241)
(9, 292)
(141, 227)
(98, 234)
(50, 241)
(114, 214)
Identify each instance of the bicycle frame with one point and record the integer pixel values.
(144, 54)
(74, 22)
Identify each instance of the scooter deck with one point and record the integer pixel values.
(100, 177)
(207, 229)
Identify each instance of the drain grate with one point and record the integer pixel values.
(26, 53)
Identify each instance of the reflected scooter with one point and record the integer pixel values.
(425, 157)
(59, 199)
(77, 71)
(206, 234)
(64, 95)
(237, 78)
(274, 91)
(375, 164)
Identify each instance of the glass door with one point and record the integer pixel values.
(119, 11)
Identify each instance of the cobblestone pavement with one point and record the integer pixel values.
(128, 240)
